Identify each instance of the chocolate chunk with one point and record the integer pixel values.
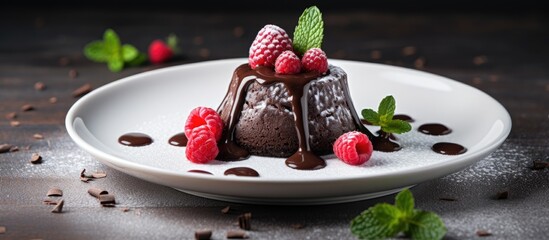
(59, 207)
(106, 199)
(502, 195)
(226, 209)
(14, 149)
(204, 52)
(125, 209)
(483, 233)
(237, 234)
(11, 115)
(54, 192)
(97, 192)
(82, 90)
(419, 63)
(238, 31)
(375, 54)
(36, 158)
(479, 60)
(53, 100)
(2, 229)
(85, 179)
(4, 148)
(64, 61)
(39, 86)
(244, 221)
(27, 107)
(203, 234)
(409, 51)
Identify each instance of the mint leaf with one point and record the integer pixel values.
(386, 108)
(140, 59)
(309, 30)
(111, 41)
(426, 226)
(370, 116)
(396, 126)
(384, 117)
(367, 226)
(404, 201)
(390, 216)
(129, 52)
(95, 51)
(172, 41)
(115, 64)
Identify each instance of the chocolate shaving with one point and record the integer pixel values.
(236, 234)
(97, 192)
(82, 90)
(27, 107)
(125, 209)
(36, 158)
(14, 149)
(49, 201)
(244, 221)
(15, 123)
(420, 63)
(502, 195)
(298, 225)
(203, 234)
(2, 229)
(106, 199)
(85, 179)
(447, 199)
(409, 51)
(54, 192)
(483, 233)
(53, 100)
(38, 136)
(39, 86)
(226, 210)
(99, 175)
(479, 60)
(4, 148)
(73, 73)
(238, 31)
(11, 115)
(376, 54)
(59, 207)
(539, 165)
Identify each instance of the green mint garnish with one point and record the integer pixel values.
(173, 43)
(384, 117)
(110, 51)
(384, 220)
(309, 30)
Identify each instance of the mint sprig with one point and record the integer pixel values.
(384, 220)
(309, 31)
(111, 51)
(384, 117)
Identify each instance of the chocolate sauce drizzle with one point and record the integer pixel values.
(298, 87)
(200, 171)
(135, 139)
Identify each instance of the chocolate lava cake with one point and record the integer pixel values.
(266, 125)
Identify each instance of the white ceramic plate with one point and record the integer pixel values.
(157, 103)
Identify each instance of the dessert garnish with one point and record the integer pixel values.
(111, 51)
(161, 51)
(385, 220)
(353, 148)
(384, 119)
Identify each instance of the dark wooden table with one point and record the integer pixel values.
(502, 54)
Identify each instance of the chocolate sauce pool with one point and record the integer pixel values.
(242, 171)
(200, 171)
(434, 129)
(448, 148)
(135, 139)
(178, 140)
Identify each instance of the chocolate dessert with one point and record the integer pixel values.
(266, 125)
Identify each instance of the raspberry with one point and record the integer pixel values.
(202, 146)
(287, 63)
(353, 148)
(315, 59)
(159, 52)
(204, 116)
(270, 42)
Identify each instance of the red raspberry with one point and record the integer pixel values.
(204, 116)
(353, 148)
(159, 52)
(202, 146)
(287, 63)
(270, 42)
(315, 59)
